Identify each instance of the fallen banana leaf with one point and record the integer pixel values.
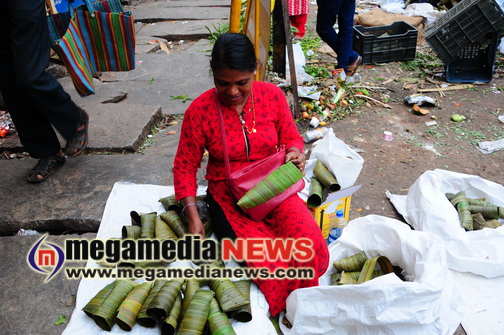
(143, 319)
(315, 195)
(173, 220)
(275, 183)
(131, 232)
(131, 306)
(196, 315)
(228, 295)
(170, 203)
(326, 178)
(160, 307)
(368, 268)
(148, 225)
(171, 323)
(243, 314)
(191, 287)
(104, 317)
(98, 299)
(163, 231)
(351, 263)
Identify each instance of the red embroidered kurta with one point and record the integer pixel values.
(275, 126)
(298, 7)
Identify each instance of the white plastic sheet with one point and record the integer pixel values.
(427, 209)
(343, 162)
(126, 197)
(426, 304)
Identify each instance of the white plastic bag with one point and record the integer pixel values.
(426, 304)
(426, 208)
(299, 63)
(343, 162)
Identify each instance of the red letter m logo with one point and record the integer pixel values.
(46, 258)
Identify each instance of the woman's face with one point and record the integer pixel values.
(234, 86)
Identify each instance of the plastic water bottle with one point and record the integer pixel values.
(336, 227)
(315, 134)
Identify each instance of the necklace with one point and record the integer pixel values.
(244, 126)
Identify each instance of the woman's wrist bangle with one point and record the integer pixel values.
(294, 149)
(185, 206)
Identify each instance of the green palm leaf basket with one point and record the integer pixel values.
(131, 305)
(143, 318)
(219, 321)
(243, 314)
(148, 224)
(462, 205)
(98, 299)
(161, 305)
(325, 177)
(274, 184)
(131, 232)
(315, 195)
(228, 295)
(163, 230)
(191, 287)
(171, 322)
(173, 220)
(196, 315)
(104, 316)
(170, 203)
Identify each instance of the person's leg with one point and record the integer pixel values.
(326, 18)
(299, 22)
(346, 55)
(35, 98)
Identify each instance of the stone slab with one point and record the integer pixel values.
(28, 304)
(157, 11)
(176, 30)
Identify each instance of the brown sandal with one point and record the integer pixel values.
(352, 68)
(45, 167)
(79, 141)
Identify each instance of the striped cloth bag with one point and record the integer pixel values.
(100, 37)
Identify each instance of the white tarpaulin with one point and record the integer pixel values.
(426, 303)
(123, 199)
(475, 257)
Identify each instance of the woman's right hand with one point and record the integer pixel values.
(195, 225)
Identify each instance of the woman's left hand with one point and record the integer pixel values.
(296, 157)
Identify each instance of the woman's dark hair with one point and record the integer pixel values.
(233, 51)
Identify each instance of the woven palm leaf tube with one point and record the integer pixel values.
(131, 305)
(488, 212)
(368, 268)
(148, 225)
(462, 206)
(163, 231)
(478, 221)
(171, 322)
(143, 319)
(170, 203)
(196, 315)
(218, 321)
(173, 220)
(315, 195)
(326, 178)
(161, 305)
(351, 263)
(191, 287)
(104, 316)
(243, 314)
(98, 299)
(131, 232)
(274, 184)
(228, 295)
(344, 278)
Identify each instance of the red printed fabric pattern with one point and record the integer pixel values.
(298, 7)
(274, 124)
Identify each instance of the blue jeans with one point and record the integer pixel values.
(340, 42)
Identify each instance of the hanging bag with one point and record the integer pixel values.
(100, 37)
(242, 180)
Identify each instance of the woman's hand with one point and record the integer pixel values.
(298, 158)
(190, 211)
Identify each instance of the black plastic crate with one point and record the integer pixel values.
(467, 22)
(382, 44)
(474, 62)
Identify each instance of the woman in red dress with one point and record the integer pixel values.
(257, 120)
